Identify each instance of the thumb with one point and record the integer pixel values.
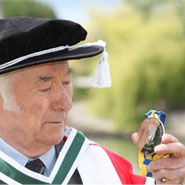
(135, 138)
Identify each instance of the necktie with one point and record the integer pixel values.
(36, 165)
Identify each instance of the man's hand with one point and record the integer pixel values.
(172, 168)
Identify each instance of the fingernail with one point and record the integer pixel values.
(157, 148)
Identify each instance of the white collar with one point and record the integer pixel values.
(49, 158)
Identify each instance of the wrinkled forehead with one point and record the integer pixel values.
(58, 68)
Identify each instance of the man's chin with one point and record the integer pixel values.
(52, 134)
(53, 139)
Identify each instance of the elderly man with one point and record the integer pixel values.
(36, 146)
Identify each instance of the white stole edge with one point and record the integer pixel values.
(150, 181)
(8, 180)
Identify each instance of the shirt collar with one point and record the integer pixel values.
(49, 158)
(13, 153)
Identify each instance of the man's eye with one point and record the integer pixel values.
(45, 90)
(67, 83)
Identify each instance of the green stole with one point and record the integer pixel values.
(73, 149)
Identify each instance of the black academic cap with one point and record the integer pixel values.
(26, 41)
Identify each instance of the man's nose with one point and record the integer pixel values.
(62, 99)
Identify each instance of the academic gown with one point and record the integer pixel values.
(79, 161)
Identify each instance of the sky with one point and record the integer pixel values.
(77, 10)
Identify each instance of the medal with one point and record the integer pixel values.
(150, 135)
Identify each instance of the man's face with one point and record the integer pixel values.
(43, 95)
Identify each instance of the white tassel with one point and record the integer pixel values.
(101, 76)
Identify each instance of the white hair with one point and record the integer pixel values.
(8, 96)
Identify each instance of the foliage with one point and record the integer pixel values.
(80, 94)
(147, 61)
(148, 7)
(27, 8)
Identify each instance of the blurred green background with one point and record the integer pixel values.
(146, 46)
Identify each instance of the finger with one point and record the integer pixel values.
(160, 181)
(177, 149)
(135, 138)
(168, 138)
(166, 163)
(172, 182)
(172, 176)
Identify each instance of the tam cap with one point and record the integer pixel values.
(26, 41)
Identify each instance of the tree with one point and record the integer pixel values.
(28, 8)
(147, 7)
(147, 64)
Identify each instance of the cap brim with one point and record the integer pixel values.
(63, 55)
